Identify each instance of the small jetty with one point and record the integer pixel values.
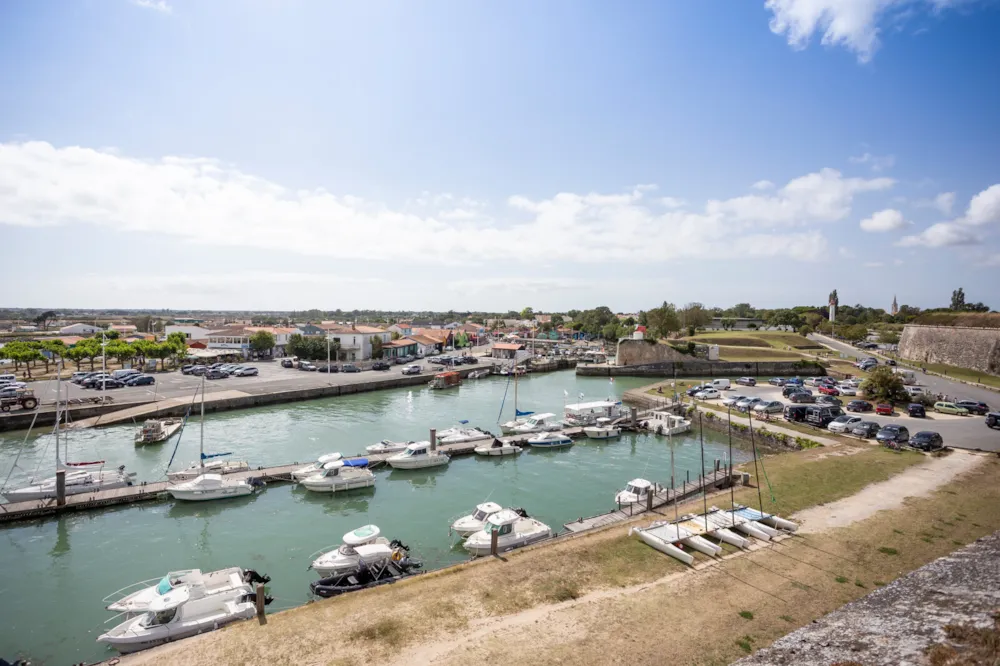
(720, 478)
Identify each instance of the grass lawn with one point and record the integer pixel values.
(751, 354)
(963, 374)
(774, 339)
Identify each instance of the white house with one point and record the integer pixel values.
(190, 332)
(355, 340)
(79, 329)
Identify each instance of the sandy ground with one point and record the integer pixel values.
(916, 481)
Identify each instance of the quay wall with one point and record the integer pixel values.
(973, 348)
(22, 419)
(700, 368)
(644, 352)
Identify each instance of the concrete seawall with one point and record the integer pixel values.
(698, 368)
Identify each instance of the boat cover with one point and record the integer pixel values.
(356, 462)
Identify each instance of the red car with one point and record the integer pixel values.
(829, 390)
(883, 409)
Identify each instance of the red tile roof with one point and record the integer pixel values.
(508, 346)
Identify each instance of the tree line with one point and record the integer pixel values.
(29, 353)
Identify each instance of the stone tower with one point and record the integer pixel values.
(895, 307)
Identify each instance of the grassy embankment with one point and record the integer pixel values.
(752, 346)
(454, 604)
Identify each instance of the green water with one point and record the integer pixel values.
(56, 572)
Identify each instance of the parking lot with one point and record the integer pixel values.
(968, 432)
(271, 378)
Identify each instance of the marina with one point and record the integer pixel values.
(68, 557)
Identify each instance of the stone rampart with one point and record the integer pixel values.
(641, 352)
(973, 348)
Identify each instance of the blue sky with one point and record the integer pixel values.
(288, 155)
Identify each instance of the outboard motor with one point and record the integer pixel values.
(396, 543)
(251, 576)
(521, 512)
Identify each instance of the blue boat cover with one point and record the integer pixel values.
(206, 456)
(518, 412)
(356, 462)
(464, 421)
(751, 514)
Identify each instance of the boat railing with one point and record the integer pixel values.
(118, 595)
(127, 615)
(323, 551)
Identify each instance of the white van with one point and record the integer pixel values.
(7, 379)
(908, 376)
(719, 384)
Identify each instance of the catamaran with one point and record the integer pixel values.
(80, 477)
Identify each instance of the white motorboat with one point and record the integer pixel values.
(176, 615)
(80, 478)
(665, 423)
(364, 545)
(156, 431)
(514, 530)
(478, 374)
(587, 413)
(336, 476)
(387, 446)
(462, 435)
(475, 521)
(537, 423)
(199, 585)
(602, 429)
(507, 427)
(497, 448)
(210, 487)
(549, 440)
(636, 492)
(313, 468)
(416, 456)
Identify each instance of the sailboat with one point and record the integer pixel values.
(207, 463)
(520, 417)
(206, 485)
(86, 477)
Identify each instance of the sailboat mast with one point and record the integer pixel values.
(201, 439)
(670, 436)
(58, 412)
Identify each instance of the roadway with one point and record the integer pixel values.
(968, 432)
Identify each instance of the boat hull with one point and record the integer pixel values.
(46, 491)
(340, 485)
(419, 463)
(601, 433)
(240, 490)
(136, 638)
(557, 444)
(193, 472)
(507, 450)
(481, 549)
(665, 547)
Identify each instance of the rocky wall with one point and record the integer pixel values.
(973, 348)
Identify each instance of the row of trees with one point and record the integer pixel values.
(312, 348)
(28, 353)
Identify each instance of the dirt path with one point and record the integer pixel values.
(917, 481)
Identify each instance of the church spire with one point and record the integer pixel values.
(895, 307)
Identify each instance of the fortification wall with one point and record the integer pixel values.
(640, 352)
(974, 348)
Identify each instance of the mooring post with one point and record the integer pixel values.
(649, 500)
(259, 599)
(687, 473)
(60, 487)
(434, 439)
(633, 414)
(718, 465)
(494, 536)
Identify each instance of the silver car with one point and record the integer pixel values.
(769, 407)
(746, 404)
(731, 400)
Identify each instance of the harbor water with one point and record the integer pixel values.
(57, 571)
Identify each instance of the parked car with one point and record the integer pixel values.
(411, 370)
(893, 433)
(776, 381)
(248, 371)
(186, 369)
(691, 391)
(794, 381)
(795, 413)
(746, 404)
(731, 400)
(914, 390)
(746, 381)
(769, 407)
(890, 362)
(950, 408)
(350, 367)
(812, 381)
(866, 429)
(847, 389)
(140, 380)
(109, 384)
(820, 415)
(916, 410)
(801, 398)
(789, 390)
(927, 440)
(198, 370)
(287, 363)
(77, 376)
(829, 390)
(884, 409)
(993, 420)
(470, 360)
(95, 380)
(708, 394)
(829, 400)
(974, 406)
(215, 374)
(844, 423)
(328, 368)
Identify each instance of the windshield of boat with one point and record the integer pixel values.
(346, 550)
(479, 515)
(635, 490)
(163, 617)
(164, 586)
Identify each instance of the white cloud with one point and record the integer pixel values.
(673, 202)
(874, 264)
(157, 5)
(763, 185)
(876, 162)
(942, 234)
(884, 220)
(846, 252)
(824, 196)
(984, 208)
(852, 24)
(943, 203)
(207, 202)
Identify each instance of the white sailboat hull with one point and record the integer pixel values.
(76, 484)
(326, 484)
(666, 547)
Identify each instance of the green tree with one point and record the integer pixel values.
(527, 313)
(294, 345)
(557, 320)
(695, 314)
(396, 335)
(834, 299)
(787, 318)
(610, 331)
(461, 340)
(855, 333)
(109, 335)
(76, 354)
(629, 321)
(262, 342)
(662, 321)
(728, 323)
(162, 351)
(884, 385)
(958, 299)
(743, 310)
(120, 350)
(376, 347)
(805, 329)
(888, 336)
(43, 320)
(91, 348)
